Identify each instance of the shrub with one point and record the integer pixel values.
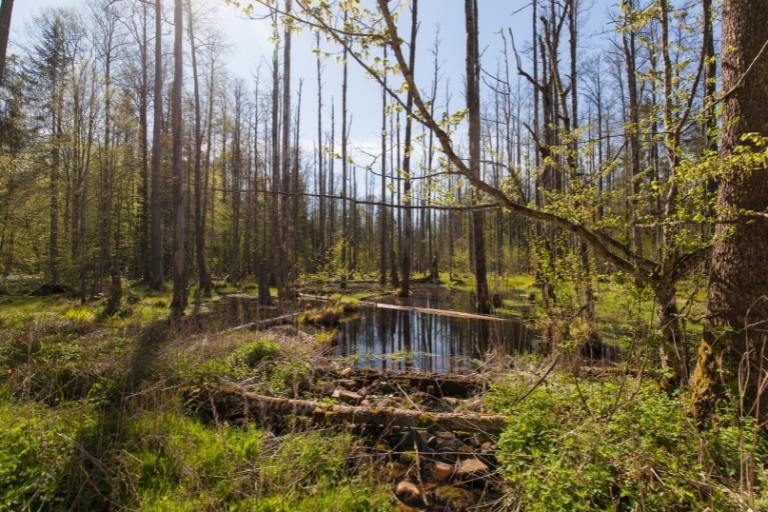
(608, 446)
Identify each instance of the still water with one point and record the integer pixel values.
(413, 340)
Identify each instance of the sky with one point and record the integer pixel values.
(249, 47)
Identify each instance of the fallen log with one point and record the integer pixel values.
(438, 384)
(433, 311)
(417, 309)
(264, 324)
(237, 403)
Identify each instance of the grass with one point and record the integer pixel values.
(618, 444)
(76, 431)
(69, 437)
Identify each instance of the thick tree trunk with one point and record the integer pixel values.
(735, 338)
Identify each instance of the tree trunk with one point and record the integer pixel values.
(179, 301)
(5, 30)
(734, 339)
(286, 157)
(406, 247)
(482, 304)
(156, 273)
(204, 280)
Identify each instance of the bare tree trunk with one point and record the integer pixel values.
(144, 259)
(734, 342)
(344, 223)
(482, 303)
(406, 248)
(204, 280)
(235, 270)
(320, 156)
(179, 301)
(286, 158)
(156, 281)
(277, 261)
(5, 30)
(383, 210)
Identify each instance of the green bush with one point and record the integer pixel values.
(37, 449)
(608, 446)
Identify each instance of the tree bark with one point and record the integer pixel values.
(406, 247)
(204, 280)
(156, 273)
(179, 301)
(482, 304)
(5, 29)
(735, 337)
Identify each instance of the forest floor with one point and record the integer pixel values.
(129, 412)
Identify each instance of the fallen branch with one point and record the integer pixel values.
(264, 324)
(233, 402)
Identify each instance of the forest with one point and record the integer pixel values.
(374, 255)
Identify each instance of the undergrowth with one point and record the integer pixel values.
(623, 445)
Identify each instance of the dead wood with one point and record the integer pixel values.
(438, 384)
(233, 403)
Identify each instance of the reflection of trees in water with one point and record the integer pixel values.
(400, 340)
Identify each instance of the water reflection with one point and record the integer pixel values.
(410, 340)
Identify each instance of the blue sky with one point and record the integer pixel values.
(250, 46)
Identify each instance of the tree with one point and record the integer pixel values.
(406, 246)
(156, 269)
(179, 301)
(5, 30)
(204, 280)
(482, 303)
(732, 352)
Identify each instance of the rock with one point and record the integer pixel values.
(441, 471)
(344, 395)
(473, 466)
(454, 498)
(407, 491)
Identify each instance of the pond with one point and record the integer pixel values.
(391, 339)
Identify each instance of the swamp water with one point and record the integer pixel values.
(391, 339)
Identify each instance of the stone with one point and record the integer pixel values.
(407, 491)
(472, 466)
(442, 471)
